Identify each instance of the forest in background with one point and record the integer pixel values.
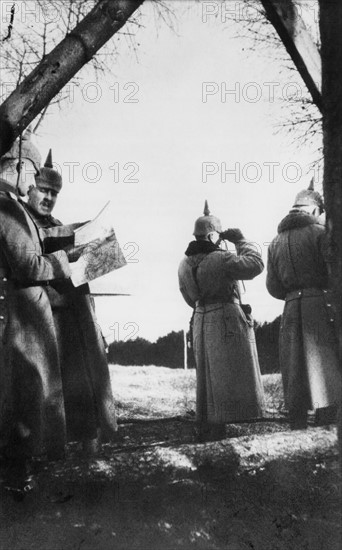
(168, 351)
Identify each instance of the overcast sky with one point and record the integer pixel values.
(161, 136)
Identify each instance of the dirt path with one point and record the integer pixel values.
(262, 488)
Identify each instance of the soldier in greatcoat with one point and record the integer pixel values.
(32, 415)
(229, 386)
(297, 273)
(88, 400)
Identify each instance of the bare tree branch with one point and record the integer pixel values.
(10, 26)
(61, 64)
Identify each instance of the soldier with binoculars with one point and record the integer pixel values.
(229, 386)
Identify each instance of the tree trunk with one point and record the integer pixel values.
(331, 52)
(298, 42)
(60, 65)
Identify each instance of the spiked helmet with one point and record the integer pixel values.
(309, 197)
(207, 223)
(26, 149)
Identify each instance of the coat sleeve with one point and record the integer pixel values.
(24, 259)
(186, 296)
(59, 231)
(246, 263)
(59, 236)
(183, 286)
(273, 283)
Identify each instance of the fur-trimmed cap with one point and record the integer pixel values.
(48, 177)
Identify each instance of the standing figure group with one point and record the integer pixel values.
(42, 353)
(54, 377)
(229, 387)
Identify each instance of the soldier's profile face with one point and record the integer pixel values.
(42, 199)
(27, 177)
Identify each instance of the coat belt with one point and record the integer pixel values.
(21, 284)
(304, 292)
(217, 301)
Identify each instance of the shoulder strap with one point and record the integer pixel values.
(194, 274)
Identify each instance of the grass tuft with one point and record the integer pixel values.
(156, 392)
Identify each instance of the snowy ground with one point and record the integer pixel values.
(262, 488)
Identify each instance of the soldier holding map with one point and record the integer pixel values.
(88, 400)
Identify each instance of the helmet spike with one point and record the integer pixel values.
(311, 185)
(206, 210)
(48, 162)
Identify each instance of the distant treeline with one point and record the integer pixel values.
(267, 340)
(168, 351)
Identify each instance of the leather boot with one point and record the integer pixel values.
(298, 419)
(326, 415)
(18, 479)
(90, 447)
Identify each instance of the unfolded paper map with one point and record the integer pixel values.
(102, 253)
(99, 228)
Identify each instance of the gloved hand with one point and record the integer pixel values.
(74, 252)
(233, 235)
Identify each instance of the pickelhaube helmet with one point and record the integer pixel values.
(207, 223)
(27, 150)
(309, 197)
(48, 177)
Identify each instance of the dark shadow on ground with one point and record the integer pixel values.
(285, 505)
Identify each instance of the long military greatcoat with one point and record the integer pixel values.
(87, 393)
(297, 273)
(229, 386)
(31, 398)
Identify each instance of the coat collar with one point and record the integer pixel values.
(201, 247)
(296, 220)
(6, 187)
(42, 220)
